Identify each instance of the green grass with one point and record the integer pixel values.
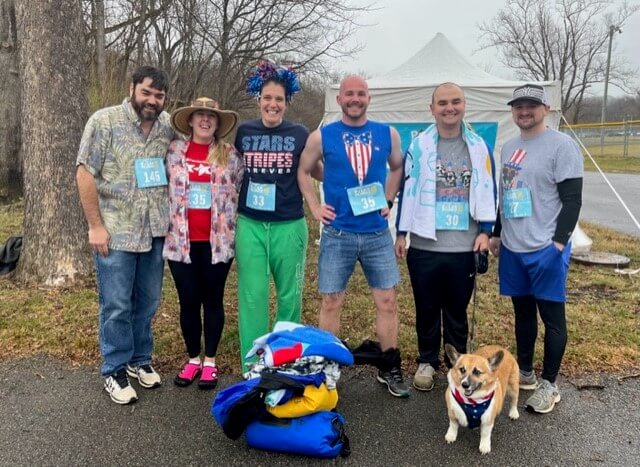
(603, 314)
(611, 158)
(10, 220)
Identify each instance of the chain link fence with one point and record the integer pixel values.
(616, 139)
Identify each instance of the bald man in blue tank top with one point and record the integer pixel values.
(358, 193)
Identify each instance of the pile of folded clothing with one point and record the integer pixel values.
(287, 402)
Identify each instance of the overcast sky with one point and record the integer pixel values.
(402, 27)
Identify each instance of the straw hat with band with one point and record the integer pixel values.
(227, 119)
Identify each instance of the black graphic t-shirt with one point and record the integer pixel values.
(271, 157)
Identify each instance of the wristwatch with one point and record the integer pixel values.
(389, 203)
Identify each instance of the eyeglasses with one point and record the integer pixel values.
(209, 103)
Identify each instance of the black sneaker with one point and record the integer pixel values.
(394, 381)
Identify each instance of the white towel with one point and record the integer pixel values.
(418, 208)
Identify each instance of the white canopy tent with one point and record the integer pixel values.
(402, 96)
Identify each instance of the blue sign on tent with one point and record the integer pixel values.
(408, 131)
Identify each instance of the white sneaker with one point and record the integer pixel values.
(146, 376)
(119, 389)
(423, 380)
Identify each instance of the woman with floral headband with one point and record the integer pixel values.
(205, 175)
(271, 238)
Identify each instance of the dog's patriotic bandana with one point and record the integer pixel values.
(473, 408)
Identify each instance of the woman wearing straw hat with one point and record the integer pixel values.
(205, 175)
(271, 239)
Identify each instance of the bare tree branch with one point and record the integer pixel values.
(562, 40)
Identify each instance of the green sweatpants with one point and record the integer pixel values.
(265, 249)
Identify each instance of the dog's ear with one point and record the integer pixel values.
(452, 353)
(495, 360)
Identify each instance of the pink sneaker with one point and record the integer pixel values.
(188, 374)
(209, 377)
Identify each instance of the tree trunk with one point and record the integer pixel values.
(54, 110)
(10, 154)
(141, 29)
(101, 59)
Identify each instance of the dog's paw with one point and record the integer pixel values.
(451, 436)
(485, 447)
(513, 413)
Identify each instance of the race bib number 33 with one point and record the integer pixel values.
(261, 196)
(367, 198)
(150, 172)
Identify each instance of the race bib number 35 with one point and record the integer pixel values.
(261, 196)
(367, 198)
(517, 203)
(199, 195)
(150, 172)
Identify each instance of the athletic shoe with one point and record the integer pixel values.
(209, 377)
(188, 374)
(394, 381)
(544, 398)
(145, 374)
(119, 389)
(528, 381)
(423, 380)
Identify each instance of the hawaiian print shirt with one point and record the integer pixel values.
(112, 140)
(225, 186)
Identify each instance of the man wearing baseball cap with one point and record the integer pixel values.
(540, 198)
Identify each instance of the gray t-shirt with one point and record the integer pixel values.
(537, 165)
(453, 177)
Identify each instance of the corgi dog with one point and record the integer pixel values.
(477, 386)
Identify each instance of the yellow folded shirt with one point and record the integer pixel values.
(312, 400)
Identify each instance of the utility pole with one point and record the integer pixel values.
(612, 30)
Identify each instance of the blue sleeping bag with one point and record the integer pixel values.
(320, 434)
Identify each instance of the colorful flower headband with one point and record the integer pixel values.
(266, 71)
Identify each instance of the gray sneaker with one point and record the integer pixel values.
(544, 398)
(528, 381)
(423, 380)
(146, 375)
(394, 381)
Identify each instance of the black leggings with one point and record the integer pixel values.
(200, 285)
(555, 333)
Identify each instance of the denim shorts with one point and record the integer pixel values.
(541, 273)
(339, 251)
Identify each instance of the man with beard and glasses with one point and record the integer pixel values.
(123, 190)
(358, 194)
(540, 200)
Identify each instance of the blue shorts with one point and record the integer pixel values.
(541, 273)
(339, 251)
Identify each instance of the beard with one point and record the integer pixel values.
(146, 112)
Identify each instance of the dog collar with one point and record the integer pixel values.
(464, 400)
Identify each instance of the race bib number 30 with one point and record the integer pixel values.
(150, 172)
(261, 196)
(452, 216)
(367, 198)
(517, 203)
(199, 195)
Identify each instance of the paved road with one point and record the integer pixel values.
(600, 205)
(53, 415)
